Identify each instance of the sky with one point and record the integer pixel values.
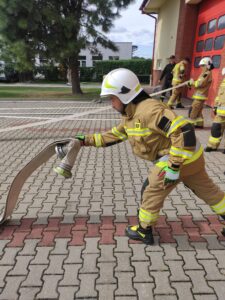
(135, 27)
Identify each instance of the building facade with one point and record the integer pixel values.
(88, 59)
(189, 28)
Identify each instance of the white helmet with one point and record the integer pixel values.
(121, 83)
(206, 61)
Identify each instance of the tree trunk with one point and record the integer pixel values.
(75, 78)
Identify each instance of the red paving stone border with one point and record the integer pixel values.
(106, 230)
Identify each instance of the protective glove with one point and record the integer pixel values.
(190, 83)
(81, 138)
(215, 110)
(170, 176)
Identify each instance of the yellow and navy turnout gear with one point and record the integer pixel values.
(218, 126)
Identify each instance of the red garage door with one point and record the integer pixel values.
(210, 41)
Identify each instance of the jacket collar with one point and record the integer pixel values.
(130, 110)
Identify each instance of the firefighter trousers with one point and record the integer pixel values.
(175, 97)
(195, 113)
(217, 131)
(194, 176)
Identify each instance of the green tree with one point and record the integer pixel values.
(58, 29)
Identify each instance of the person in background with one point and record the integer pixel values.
(201, 86)
(218, 126)
(179, 73)
(167, 76)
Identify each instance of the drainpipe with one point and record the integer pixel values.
(153, 52)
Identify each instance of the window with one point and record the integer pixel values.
(208, 44)
(211, 26)
(82, 57)
(200, 46)
(97, 57)
(113, 57)
(196, 62)
(202, 29)
(221, 22)
(216, 61)
(219, 42)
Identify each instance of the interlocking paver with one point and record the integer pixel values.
(73, 230)
(21, 266)
(67, 292)
(125, 286)
(10, 290)
(70, 277)
(199, 282)
(34, 276)
(162, 283)
(28, 293)
(105, 291)
(49, 288)
(106, 271)
(183, 290)
(87, 290)
(177, 272)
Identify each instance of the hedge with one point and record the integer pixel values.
(141, 67)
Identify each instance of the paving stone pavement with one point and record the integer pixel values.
(66, 238)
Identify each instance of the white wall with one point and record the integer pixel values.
(124, 52)
(166, 33)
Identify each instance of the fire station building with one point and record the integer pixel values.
(189, 28)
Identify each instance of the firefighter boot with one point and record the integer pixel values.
(210, 149)
(61, 150)
(179, 105)
(138, 233)
(223, 230)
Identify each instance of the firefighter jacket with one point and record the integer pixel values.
(202, 85)
(220, 100)
(153, 130)
(179, 73)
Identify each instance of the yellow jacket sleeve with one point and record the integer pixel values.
(114, 136)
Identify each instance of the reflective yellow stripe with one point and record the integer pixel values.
(220, 110)
(178, 122)
(199, 97)
(219, 208)
(138, 87)
(198, 152)
(107, 85)
(147, 217)
(98, 139)
(215, 141)
(138, 132)
(119, 134)
(180, 152)
(177, 80)
(195, 156)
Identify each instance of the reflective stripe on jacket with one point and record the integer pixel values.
(178, 73)
(202, 85)
(153, 130)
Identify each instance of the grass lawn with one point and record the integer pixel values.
(46, 92)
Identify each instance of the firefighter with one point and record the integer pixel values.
(156, 134)
(167, 76)
(201, 85)
(178, 77)
(218, 125)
